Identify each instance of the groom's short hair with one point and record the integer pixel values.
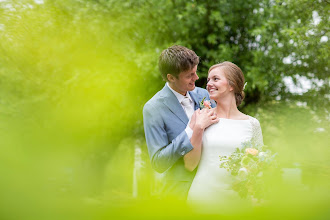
(176, 59)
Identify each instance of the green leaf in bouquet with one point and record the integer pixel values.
(260, 174)
(240, 188)
(265, 147)
(237, 151)
(246, 160)
(234, 172)
(273, 156)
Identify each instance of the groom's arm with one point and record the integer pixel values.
(163, 154)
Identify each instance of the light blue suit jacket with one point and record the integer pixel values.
(164, 126)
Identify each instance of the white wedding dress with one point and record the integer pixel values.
(211, 188)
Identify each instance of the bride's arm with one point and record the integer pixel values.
(200, 120)
(191, 159)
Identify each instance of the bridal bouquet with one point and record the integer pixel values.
(249, 165)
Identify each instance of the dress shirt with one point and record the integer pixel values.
(180, 97)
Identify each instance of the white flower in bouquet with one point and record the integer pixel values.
(262, 156)
(242, 173)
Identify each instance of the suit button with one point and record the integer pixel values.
(183, 153)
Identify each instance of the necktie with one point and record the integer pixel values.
(187, 107)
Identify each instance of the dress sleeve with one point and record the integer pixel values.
(257, 138)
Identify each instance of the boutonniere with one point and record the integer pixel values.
(205, 104)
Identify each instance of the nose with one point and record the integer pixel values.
(196, 76)
(208, 84)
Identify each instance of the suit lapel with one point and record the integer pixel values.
(196, 98)
(173, 104)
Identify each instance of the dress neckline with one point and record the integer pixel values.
(236, 119)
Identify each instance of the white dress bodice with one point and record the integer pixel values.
(212, 184)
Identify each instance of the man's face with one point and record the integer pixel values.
(185, 81)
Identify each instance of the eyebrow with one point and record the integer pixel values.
(214, 76)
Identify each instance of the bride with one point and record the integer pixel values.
(211, 188)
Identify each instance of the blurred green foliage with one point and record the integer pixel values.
(75, 74)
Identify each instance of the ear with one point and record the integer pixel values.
(230, 86)
(170, 77)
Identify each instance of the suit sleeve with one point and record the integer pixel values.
(162, 151)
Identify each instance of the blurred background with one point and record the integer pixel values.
(75, 74)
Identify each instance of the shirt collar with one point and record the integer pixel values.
(179, 96)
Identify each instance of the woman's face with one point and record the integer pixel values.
(217, 84)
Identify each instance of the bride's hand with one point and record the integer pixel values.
(205, 118)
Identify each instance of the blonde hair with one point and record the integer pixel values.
(235, 78)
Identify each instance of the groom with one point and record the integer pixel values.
(166, 117)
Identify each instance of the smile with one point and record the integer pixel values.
(212, 89)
